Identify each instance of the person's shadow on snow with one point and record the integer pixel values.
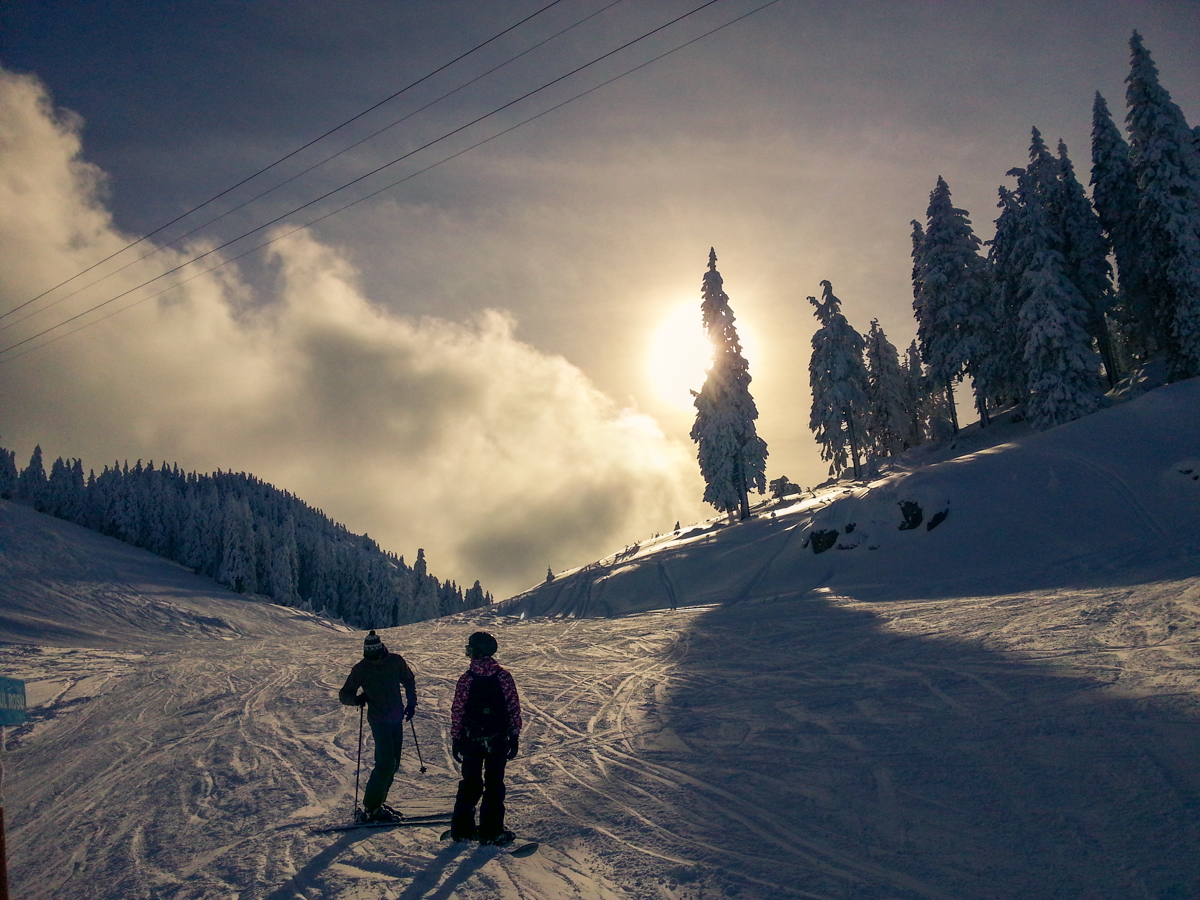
(425, 885)
(307, 876)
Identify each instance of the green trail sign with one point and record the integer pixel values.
(12, 701)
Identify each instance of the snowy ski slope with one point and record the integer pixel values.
(1003, 706)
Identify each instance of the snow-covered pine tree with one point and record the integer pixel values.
(474, 599)
(1086, 251)
(156, 510)
(451, 599)
(8, 473)
(1115, 197)
(918, 250)
(1061, 366)
(65, 495)
(32, 482)
(941, 415)
(58, 489)
(888, 416)
(951, 302)
(1166, 166)
(204, 529)
(838, 378)
(732, 457)
(237, 547)
(425, 596)
(284, 565)
(318, 572)
(916, 397)
(1056, 367)
(1005, 366)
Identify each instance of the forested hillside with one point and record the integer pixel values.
(246, 534)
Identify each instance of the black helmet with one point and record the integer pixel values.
(481, 644)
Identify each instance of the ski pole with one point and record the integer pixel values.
(358, 769)
(3, 849)
(417, 744)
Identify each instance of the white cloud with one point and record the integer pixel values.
(496, 458)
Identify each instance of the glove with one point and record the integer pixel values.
(360, 700)
(513, 745)
(410, 711)
(456, 750)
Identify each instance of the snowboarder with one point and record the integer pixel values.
(375, 682)
(485, 728)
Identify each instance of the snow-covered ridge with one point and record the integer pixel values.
(1064, 507)
(68, 586)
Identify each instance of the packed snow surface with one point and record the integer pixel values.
(1004, 705)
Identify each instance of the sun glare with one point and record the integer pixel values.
(679, 355)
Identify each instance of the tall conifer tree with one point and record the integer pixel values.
(887, 407)
(237, 547)
(1060, 365)
(951, 298)
(1086, 251)
(32, 483)
(1166, 165)
(1042, 252)
(1005, 365)
(916, 397)
(1115, 197)
(838, 378)
(8, 473)
(732, 457)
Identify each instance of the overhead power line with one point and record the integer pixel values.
(388, 187)
(286, 157)
(300, 174)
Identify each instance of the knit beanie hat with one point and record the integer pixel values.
(373, 647)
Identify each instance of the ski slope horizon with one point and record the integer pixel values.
(1004, 705)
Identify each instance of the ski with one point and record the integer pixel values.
(410, 822)
(520, 852)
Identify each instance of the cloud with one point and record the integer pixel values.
(496, 458)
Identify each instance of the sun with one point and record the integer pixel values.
(679, 355)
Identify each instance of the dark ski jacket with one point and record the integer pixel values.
(485, 665)
(381, 680)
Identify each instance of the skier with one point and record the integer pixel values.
(375, 682)
(485, 727)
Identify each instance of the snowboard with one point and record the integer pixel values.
(520, 851)
(407, 822)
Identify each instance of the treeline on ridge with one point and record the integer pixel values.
(244, 533)
(1074, 293)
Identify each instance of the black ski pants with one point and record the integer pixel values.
(482, 776)
(389, 744)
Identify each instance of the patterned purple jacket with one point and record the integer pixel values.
(485, 665)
